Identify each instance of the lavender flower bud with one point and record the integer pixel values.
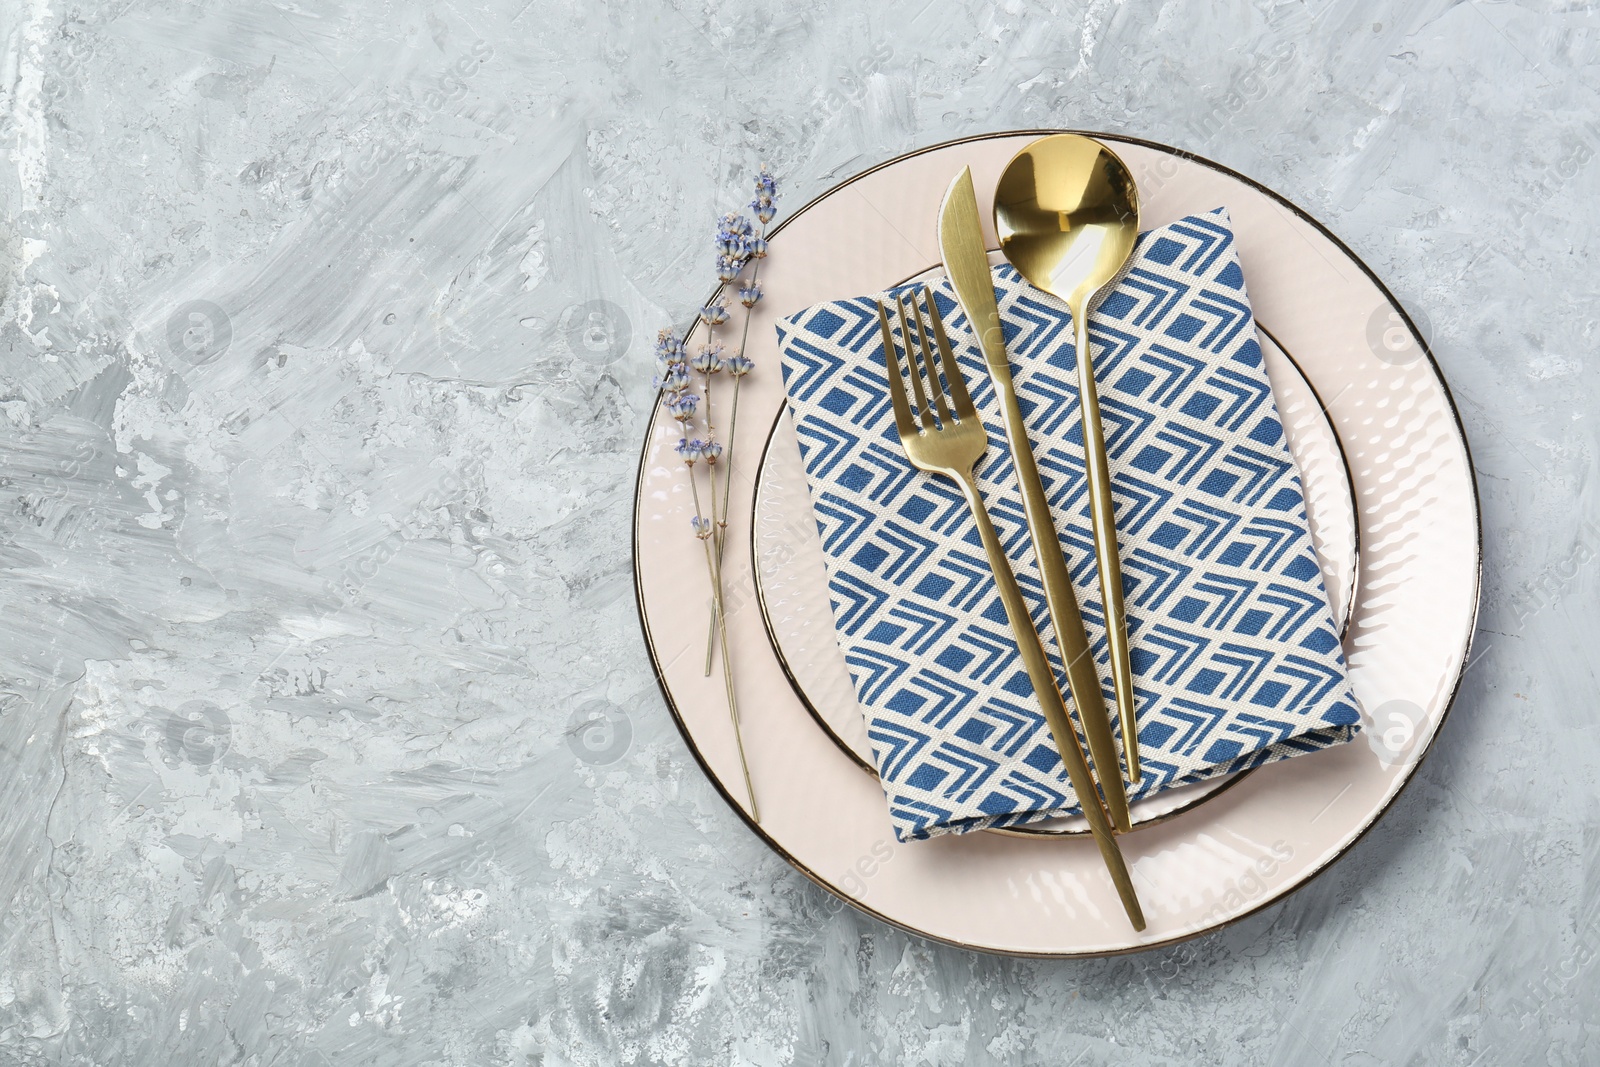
(702, 527)
(750, 294)
(669, 351)
(714, 314)
(733, 231)
(758, 248)
(739, 366)
(708, 360)
(765, 203)
(728, 268)
(681, 406)
(712, 451)
(675, 380)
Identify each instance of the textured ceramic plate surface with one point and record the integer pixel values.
(1415, 592)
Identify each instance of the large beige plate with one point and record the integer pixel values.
(1415, 596)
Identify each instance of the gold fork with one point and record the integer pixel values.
(951, 445)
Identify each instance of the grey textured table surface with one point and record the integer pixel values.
(326, 354)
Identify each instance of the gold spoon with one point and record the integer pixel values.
(1067, 213)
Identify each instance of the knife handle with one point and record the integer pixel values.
(1083, 676)
(1102, 512)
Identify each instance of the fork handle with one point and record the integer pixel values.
(1083, 674)
(1044, 687)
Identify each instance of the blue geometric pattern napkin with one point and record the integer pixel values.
(1236, 656)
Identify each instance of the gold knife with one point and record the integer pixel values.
(966, 260)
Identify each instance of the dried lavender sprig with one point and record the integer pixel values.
(765, 207)
(692, 450)
(734, 246)
(727, 667)
(704, 529)
(707, 362)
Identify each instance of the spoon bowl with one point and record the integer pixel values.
(1067, 212)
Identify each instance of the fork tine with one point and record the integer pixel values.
(925, 353)
(897, 386)
(911, 361)
(952, 371)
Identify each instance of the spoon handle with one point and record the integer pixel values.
(1102, 513)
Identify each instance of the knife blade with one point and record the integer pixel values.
(966, 261)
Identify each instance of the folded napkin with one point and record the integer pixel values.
(1236, 656)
